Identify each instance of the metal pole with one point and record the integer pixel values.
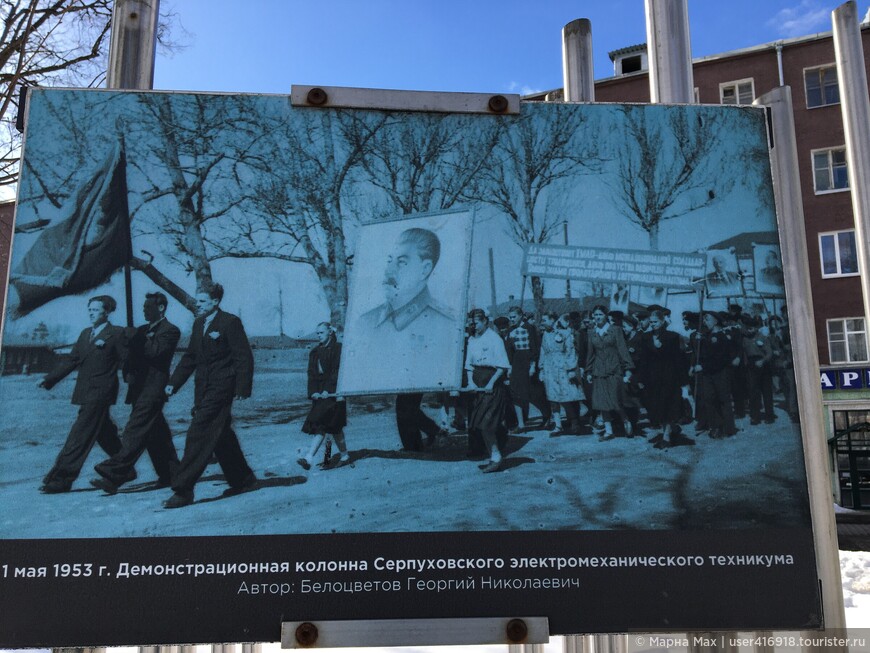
(492, 303)
(567, 279)
(855, 105)
(252, 648)
(133, 44)
(578, 644)
(795, 260)
(577, 76)
(669, 51)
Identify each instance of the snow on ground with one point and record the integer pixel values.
(855, 572)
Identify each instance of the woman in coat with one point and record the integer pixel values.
(558, 371)
(328, 416)
(664, 372)
(608, 364)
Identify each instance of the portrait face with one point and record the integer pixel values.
(205, 303)
(719, 264)
(599, 317)
(405, 274)
(151, 310)
(770, 259)
(655, 322)
(322, 333)
(97, 313)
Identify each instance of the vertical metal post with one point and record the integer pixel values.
(223, 648)
(252, 648)
(492, 302)
(855, 106)
(579, 644)
(149, 649)
(567, 279)
(669, 51)
(133, 44)
(795, 260)
(577, 75)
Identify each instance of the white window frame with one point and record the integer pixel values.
(736, 85)
(833, 65)
(829, 150)
(838, 273)
(846, 340)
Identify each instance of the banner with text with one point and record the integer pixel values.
(606, 264)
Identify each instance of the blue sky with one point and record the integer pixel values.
(264, 46)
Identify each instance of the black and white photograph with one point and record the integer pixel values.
(243, 330)
(767, 263)
(723, 277)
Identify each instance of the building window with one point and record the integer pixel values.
(822, 87)
(829, 170)
(839, 257)
(847, 340)
(632, 64)
(740, 92)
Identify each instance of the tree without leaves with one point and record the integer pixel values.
(304, 198)
(53, 43)
(669, 165)
(535, 156)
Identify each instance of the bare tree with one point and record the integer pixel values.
(53, 43)
(536, 155)
(670, 164)
(429, 163)
(304, 198)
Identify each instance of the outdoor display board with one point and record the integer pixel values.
(399, 223)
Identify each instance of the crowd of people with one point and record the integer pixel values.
(600, 371)
(621, 375)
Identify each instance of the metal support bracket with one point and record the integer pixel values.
(414, 632)
(344, 97)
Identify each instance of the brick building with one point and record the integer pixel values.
(807, 65)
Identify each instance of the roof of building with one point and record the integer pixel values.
(772, 45)
(640, 47)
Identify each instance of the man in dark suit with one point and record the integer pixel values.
(146, 371)
(97, 354)
(221, 357)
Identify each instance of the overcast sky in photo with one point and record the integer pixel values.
(514, 46)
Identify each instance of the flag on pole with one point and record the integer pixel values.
(82, 250)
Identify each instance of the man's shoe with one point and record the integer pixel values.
(178, 500)
(493, 466)
(55, 487)
(248, 485)
(303, 463)
(105, 485)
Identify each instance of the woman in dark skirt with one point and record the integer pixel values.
(486, 366)
(328, 415)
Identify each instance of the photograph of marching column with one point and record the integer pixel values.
(251, 345)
